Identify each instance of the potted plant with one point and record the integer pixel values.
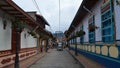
(80, 33)
(92, 28)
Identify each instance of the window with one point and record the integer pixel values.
(107, 23)
(91, 33)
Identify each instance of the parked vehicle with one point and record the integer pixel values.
(60, 47)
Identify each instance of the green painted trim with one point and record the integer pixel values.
(111, 25)
(91, 39)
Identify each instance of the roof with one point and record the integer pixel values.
(46, 32)
(43, 19)
(81, 13)
(11, 8)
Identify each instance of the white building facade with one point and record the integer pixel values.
(27, 43)
(103, 43)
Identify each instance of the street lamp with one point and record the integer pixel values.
(18, 30)
(19, 27)
(68, 41)
(75, 44)
(47, 43)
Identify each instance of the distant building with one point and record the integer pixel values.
(59, 35)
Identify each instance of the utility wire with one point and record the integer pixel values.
(59, 15)
(36, 5)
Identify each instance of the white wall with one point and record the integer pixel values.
(97, 11)
(5, 35)
(117, 19)
(85, 28)
(29, 41)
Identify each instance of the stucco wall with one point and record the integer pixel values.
(117, 19)
(97, 11)
(27, 40)
(85, 28)
(5, 35)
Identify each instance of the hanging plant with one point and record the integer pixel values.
(92, 28)
(80, 33)
(33, 34)
(72, 37)
(118, 2)
(18, 24)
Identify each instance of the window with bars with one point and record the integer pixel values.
(91, 33)
(107, 22)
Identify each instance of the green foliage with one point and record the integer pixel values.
(80, 33)
(33, 34)
(18, 24)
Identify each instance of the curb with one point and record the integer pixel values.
(77, 61)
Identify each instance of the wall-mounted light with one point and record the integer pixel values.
(118, 2)
(4, 24)
(25, 35)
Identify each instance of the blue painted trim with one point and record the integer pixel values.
(108, 62)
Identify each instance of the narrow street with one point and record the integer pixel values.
(88, 32)
(57, 59)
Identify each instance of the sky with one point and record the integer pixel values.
(49, 9)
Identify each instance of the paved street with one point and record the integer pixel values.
(57, 59)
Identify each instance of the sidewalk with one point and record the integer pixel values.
(27, 62)
(88, 63)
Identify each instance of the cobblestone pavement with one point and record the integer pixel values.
(57, 59)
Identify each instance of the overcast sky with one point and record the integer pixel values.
(50, 11)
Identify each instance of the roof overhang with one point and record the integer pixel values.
(81, 13)
(43, 19)
(11, 8)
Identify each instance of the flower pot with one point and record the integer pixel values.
(92, 28)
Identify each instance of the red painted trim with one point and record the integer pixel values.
(106, 8)
(27, 49)
(5, 53)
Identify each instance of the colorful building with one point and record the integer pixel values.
(94, 32)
